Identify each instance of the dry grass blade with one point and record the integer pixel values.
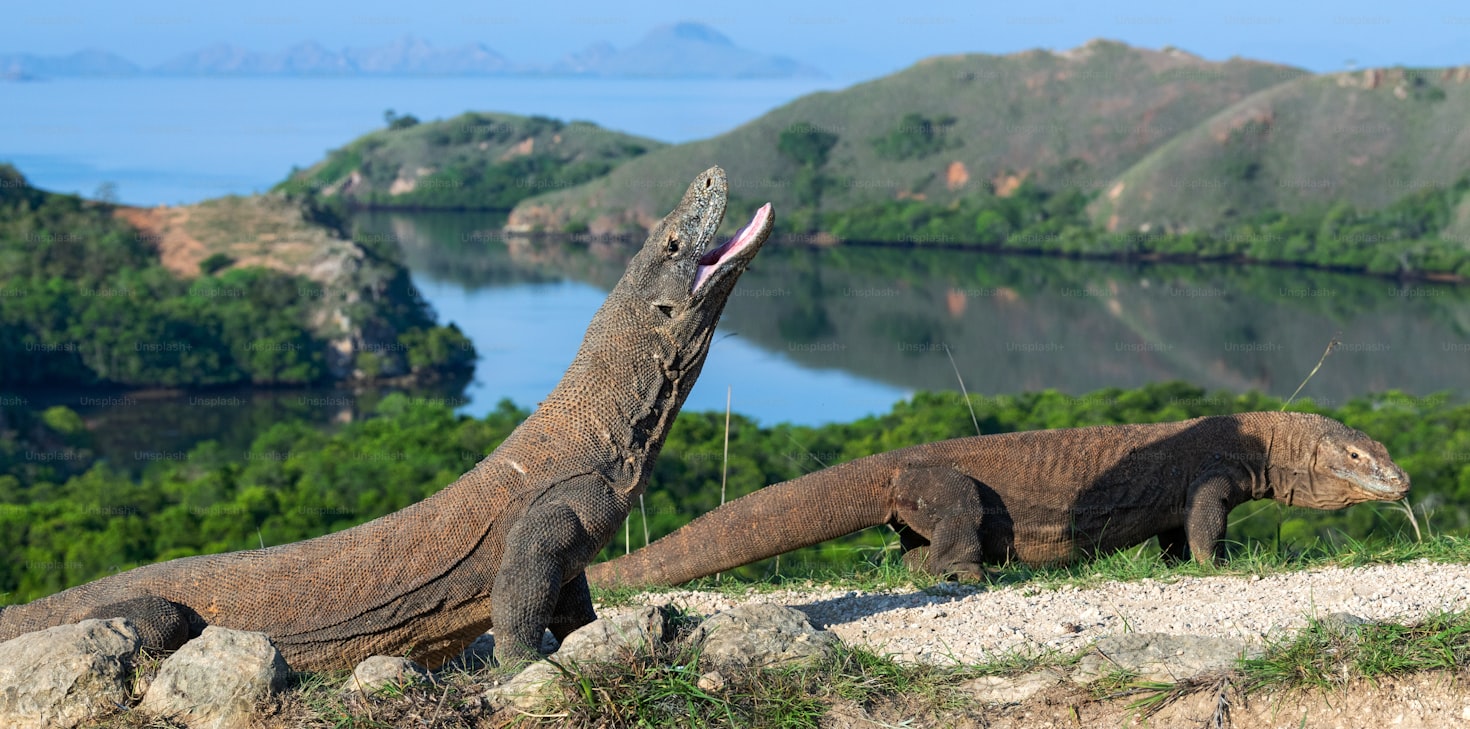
(1413, 520)
(1332, 345)
(963, 391)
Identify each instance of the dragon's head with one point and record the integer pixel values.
(1345, 467)
(679, 280)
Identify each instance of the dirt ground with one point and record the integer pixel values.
(1427, 700)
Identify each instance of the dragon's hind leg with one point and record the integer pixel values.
(160, 624)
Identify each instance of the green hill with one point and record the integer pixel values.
(947, 128)
(240, 290)
(475, 161)
(1359, 140)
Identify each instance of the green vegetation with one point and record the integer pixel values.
(808, 147)
(1402, 238)
(396, 122)
(88, 519)
(1362, 140)
(1326, 656)
(87, 301)
(917, 136)
(1104, 151)
(663, 689)
(471, 162)
(214, 263)
(1058, 118)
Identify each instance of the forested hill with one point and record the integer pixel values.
(945, 129)
(1103, 150)
(263, 290)
(1346, 141)
(475, 161)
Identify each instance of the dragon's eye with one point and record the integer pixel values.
(673, 246)
(1354, 455)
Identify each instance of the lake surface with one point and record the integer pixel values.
(182, 140)
(821, 335)
(810, 336)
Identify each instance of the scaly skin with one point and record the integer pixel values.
(505, 545)
(1041, 497)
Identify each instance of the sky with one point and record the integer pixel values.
(848, 39)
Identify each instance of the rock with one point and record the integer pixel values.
(712, 681)
(216, 679)
(1346, 624)
(527, 690)
(758, 635)
(616, 637)
(376, 672)
(1013, 689)
(613, 638)
(63, 676)
(1160, 656)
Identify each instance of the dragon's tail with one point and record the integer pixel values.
(774, 520)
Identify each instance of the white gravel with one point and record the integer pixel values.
(955, 623)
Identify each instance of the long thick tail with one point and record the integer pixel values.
(17, 620)
(775, 520)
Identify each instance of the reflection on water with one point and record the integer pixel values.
(822, 335)
(832, 334)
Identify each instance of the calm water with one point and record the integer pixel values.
(835, 334)
(822, 335)
(166, 141)
(811, 336)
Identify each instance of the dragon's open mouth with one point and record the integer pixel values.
(712, 261)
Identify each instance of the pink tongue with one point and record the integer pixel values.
(711, 261)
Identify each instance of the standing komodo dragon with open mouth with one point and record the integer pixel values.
(1042, 497)
(503, 546)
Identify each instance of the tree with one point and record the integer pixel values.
(806, 145)
(396, 122)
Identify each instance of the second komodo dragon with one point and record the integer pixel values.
(505, 544)
(1041, 497)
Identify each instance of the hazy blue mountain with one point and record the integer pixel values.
(410, 54)
(91, 62)
(405, 55)
(670, 51)
(682, 49)
(218, 58)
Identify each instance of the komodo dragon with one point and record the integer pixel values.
(1042, 497)
(505, 544)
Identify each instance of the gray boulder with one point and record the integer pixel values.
(216, 680)
(1013, 689)
(528, 689)
(1344, 624)
(1160, 656)
(376, 672)
(617, 637)
(758, 635)
(612, 638)
(66, 675)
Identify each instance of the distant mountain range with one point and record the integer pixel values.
(681, 50)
